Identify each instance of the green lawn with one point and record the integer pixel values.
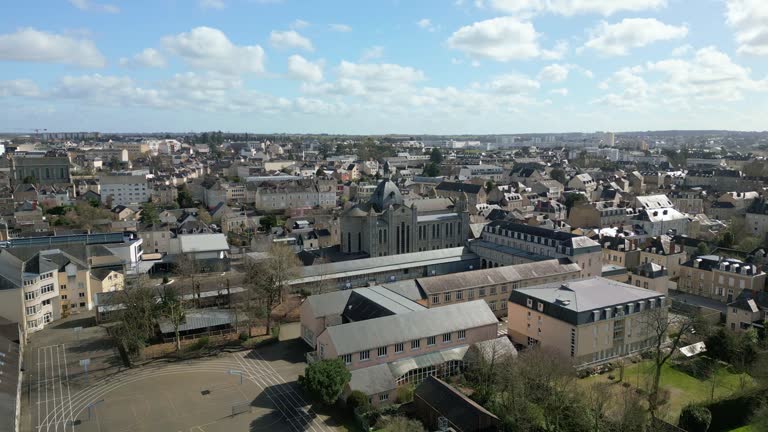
(683, 388)
(746, 428)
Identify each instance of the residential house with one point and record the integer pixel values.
(718, 278)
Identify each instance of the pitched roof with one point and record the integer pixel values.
(364, 335)
(468, 188)
(463, 413)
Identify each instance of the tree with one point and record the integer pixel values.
(149, 214)
(436, 156)
(88, 216)
(185, 269)
(489, 185)
(203, 216)
(659, 325)
(184, 197)
(695, 418)
(558, 174)
(399, 424)
(702, 249)
(320, 172)
(358, 400)
(268, 222)
(325, 379)
(573, 199)
(267, 280)
(431, 170)
(721, 345)
(138, 314)
(172, 308)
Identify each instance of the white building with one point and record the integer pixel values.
(124, 189)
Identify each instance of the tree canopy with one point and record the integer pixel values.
(325, 379)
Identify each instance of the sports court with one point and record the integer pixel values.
(242, 391)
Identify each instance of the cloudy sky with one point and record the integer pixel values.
(384, 66)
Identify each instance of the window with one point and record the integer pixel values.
(46, 289)
(529, 303)
(383, 397)
(493, 290)
(80, 285)
(540, 307)
(30, 295)
(82, 304)
(415, 344)
(382, 351)
(447, 296)
(81, 295)
(365, 355)
(435, 299)
(31, 310)
(46, 302)
(462, 334)
(459, 295)
(347, 358)
(430, 341)
(446, 337)
(64, 297)
(482, 292)
(399, 348)
(63, 286)
(470, 294)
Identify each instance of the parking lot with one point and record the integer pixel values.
(242, 391)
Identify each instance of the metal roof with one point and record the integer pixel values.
(588, 294)
(203, 243)
(402, 367)
(364, 335)
(200, 319)
(372, 380)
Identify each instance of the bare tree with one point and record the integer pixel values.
(138, 311)
(172, 308)
(186, 268)
(267, 280)
(666, 333)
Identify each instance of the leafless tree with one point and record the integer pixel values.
(186, 268)
(666, 333)
(267, 280)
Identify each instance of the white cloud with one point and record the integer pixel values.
(212, 4)
(678, 83)
(341, 28)
(575, 7)
(88, 5)
(682, 50)
(382, 82)
(554, 73)
(426, 24)
(209, 48)
(32, 45)
(19, 87)
(107, 90)
(299, 24)
(559, 91)
(303, 69)
(150, 57)
(290, 40)
(749, 18)
(372, 53)
(510, 84)
(588, 73)
(620, 38)
(502, 39)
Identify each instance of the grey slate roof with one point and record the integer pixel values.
(588, 294)
(372, 380)
(364, 335)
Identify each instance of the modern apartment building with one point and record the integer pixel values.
(503, 243)
(494, 285)
(590, 320)
(124, 189)
(718, 278)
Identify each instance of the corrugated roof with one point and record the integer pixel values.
(364, 335)
(498, 275)
(195, 320)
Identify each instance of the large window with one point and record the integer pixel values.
(446, 337)
(430, 341)
(462, 334)
(365, 355)
(347, 358)
(399, 348)
(415, 344)
(382, 351)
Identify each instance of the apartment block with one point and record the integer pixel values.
(719, 278)
(591, 320)
(29, 290)
(124, 189)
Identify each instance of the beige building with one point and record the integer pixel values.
(29, 289)
(757, 219)
(590, 320)
(600, 214)
(494, 285)
(650, 276)
(665, 253)
(718, 278)
(750, 310)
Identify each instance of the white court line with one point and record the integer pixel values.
(38, 387)
(69, 393)
(61, 386)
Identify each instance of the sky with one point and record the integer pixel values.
(383, 66)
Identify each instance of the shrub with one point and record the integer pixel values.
(358, 400)
(405, 393)
(611, 377)
(695, 418)
(165, 279)
(243, 336)
(325, 379)
(199, 344)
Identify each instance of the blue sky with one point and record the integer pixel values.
(426, 66)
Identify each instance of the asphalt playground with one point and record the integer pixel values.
(251, 390)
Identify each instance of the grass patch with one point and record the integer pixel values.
(746, 428)
(683, 389)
